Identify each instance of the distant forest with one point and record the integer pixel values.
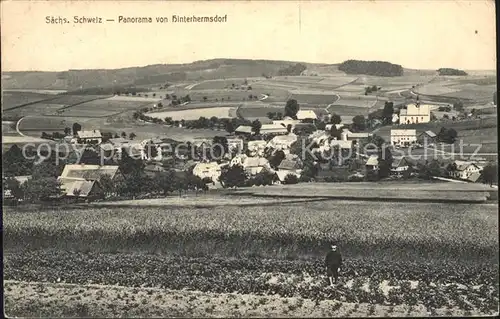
(295, 69)
(449, 71)
(377, 68)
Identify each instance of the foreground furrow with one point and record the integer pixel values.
(25, 299)
(363, 281)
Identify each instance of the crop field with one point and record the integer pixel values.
(252, 112)
(405, 80)
(355, 102)
(315, 98)
(48, 124)
(196, 113)
(222, 84)
(103, 107)
(261, 256)
(12, 99)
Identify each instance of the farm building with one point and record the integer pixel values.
(347, 135)
(282, 143)
(273, 129)
(89, 137)
(415, 113)
(372, 163)
(243, 130)
(255, 165)
(399, 166)
(287, 167)
(89, 189)
(426, 138)
(464, 170)
(403, 138)
(210, 170)
(256, 148)
(90, 172)
(306, 115)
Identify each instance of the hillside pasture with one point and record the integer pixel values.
(103, 107)
(405, 80)
(12, 99)
(34, 125)
(223, 84)
(137, 98)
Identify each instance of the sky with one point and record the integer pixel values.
(416, 34)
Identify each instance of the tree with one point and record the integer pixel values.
(116, 135)
(132, 135)
(276, 159)
(335, 119)
(129, 165)
(47, 168)
(164, 181)
(15, 163)
(76, 128)
(90, 156)
(387, 112)
(490, 174)
(219, 146)
(205, 99)
(44, 188)
(233, 176)
(256, 126)
(229, 127)
(291, 179)
(16, 190)
(107, 185)
(124, 135)
(133, 184)
(336, 133)
(385, 162)
(67, 131)
(447, 135)
(291, 108)
(150, 150)
(358, 123)
(459, 106)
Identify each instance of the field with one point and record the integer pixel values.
(196, 113)
(256, 258)
(103, 107)
(315, 98)
(13, 99)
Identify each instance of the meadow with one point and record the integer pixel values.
(315, 98)
(196, 113)
(253, 258)
(12, 99)
(103, 107)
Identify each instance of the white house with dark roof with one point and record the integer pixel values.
(399, 166)
(403, 138)
(257, 147)
(89, 137)
(415, 113)
(282, 142)
(306, 115)
(464, 170)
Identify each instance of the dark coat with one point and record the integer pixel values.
(333, 259)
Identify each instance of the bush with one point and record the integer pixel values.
(291, 179)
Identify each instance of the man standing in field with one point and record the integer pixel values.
(333, 262)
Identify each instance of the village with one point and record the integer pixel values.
(289, 150)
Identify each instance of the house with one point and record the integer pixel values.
(255, 165)
(415, 113)
(306, 115)
(286, 122)
(426, 138)
(89, 137)
(256, 148)
(372, 163)
(235, 144)
(328, 127)
(463, 170)
(273, 129)
(90, 172)
(347, 135)
(399, 165)
(243, 130)
(282, 143)
(210, 170)
(238, 160)
(89, 189)
(287, 167)
(395, 118)
(403, 138)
